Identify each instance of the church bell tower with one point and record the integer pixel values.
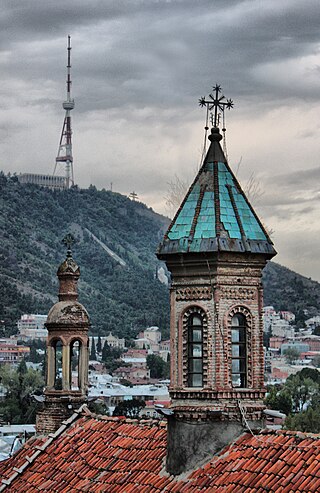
(67, 350)
(215, 248)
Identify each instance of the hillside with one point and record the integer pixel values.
(121, 298)
(287, 290)
(34, 220)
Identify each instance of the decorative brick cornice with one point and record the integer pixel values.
(219, 412)
(238, 293)
(194, 293)
(216, 395)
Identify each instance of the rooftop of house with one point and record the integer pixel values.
(102, 454)
(216, 214)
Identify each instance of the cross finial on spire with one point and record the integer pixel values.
(216, 102)
(69, 240)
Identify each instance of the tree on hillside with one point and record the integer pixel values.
(99, 345)
(177, 189)
(279, 399)
(307, 421)
(130, 409)
(93, 354)
(309, 373)
(299, 398)
(34, 356)
(316, 331)
(18, 406)
(301, 390)
(291, 354)
(109, 352)
(111, 357)
(158, 368)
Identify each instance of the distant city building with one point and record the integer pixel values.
(113, 393)
(162, 276)
(276, 342)
(282, 328)
(299, 346)
(288, 316)
(278, 322)
(31, 326)
(49, 181)
(165, 345)
(313, 322)
(151, 407)
(111, 340)
(114, 341)
(149, 338)
(12, 354)
(312, 341)
(12, 341)
(134, 374)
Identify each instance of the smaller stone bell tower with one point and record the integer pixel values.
(67, 350)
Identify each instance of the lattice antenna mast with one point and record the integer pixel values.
(65, 145)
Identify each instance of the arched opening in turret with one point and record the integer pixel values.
(75, 364)
(58, 364)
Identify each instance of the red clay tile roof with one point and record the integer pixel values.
(99, 454)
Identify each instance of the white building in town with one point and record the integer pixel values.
(31, 326)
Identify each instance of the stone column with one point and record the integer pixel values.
(51, 366)
(83, 365)
(66, 383)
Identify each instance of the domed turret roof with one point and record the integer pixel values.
(68, 313)
(69, 265)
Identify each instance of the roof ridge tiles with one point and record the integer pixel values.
(249, 464)
(132, 421)
(41, 448)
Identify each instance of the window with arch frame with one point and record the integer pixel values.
(195, 350)
(239, 350)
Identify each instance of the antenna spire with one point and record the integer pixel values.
(65, 145)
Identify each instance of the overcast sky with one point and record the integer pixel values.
(138, 69)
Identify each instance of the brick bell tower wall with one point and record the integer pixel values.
(217, 287)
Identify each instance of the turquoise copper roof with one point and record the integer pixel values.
(215, 214)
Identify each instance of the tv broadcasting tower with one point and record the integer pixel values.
(65, 145)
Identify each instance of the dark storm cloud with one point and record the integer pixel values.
(293, 187)
(282, 193)
(138, 69)
(303, 179)
(159, 53)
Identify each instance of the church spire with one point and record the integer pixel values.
(216, 215)
(215, 248)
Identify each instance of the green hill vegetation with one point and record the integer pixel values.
(287, 290)
(34, 220)
(121, 299)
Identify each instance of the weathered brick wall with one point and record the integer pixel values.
(220, 287)
(50, 418)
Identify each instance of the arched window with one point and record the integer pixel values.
(195, 350)
(239, 350)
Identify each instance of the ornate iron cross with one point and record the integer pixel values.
(69, 240)
(216, 102)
